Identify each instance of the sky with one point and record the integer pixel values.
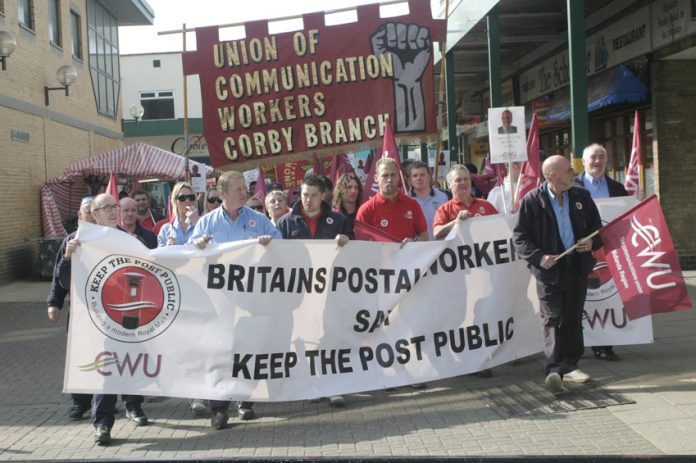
(172, 14)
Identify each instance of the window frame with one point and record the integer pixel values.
(55, 31)
(106, 80)
(30, 12)
(156, 96)
(76, 34)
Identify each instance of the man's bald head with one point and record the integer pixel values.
(105, 210)
(129, 212)
(558, 172)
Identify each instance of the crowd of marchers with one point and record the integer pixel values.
(556, 217)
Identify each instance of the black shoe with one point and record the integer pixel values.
(487, 373)
(246, 413)
(219, 420)
(77, 412)
(102, 435)
(605, 353)
(137, 415)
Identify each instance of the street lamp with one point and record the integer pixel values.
(136, 111)
(66, 75)
(8, 43)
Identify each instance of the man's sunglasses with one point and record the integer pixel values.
(214, 199)
(183, 198)
(257, 208)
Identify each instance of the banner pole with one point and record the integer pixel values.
(186, 128)
(443, 52)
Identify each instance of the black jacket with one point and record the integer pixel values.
(536, 233)
(615, 188)
(294, 227)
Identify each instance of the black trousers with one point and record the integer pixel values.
(104, 404)
(561, 311)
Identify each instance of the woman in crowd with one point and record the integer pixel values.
(347, 198)
(212, 200)
(185, 212)
(276, 205)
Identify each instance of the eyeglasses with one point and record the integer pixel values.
(107, 208)
(183, 198)
(214, 199)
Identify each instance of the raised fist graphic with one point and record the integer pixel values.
(410, 47)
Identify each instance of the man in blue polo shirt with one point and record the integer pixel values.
(232, 221)
(429, 198)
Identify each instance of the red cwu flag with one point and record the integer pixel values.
(643, 262)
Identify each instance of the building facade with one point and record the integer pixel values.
(44, 131)
(638, 56)
(155, 81)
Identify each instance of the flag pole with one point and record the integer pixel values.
(572, 248)
(641, 166)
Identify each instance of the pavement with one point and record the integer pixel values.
(463, 416)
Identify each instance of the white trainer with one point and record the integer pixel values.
(554, 383)
(576, 376)
(337, 401)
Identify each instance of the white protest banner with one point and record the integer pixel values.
(296, 319)
(606, 322)
(507, 134)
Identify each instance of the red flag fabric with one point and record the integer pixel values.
(291, 174)
(491, 176)
(530, 172)
(317, 167)
(643, 262)
(365, 232)
(112, 189)
(389, 149)
(632, 182)
(260, 190)
(340, 166)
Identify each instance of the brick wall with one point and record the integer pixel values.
(674, 100)
(52, 145)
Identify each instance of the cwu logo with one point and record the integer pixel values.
(109, 363)
(130, 299)
(651, 241)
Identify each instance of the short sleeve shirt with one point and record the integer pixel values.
(448, 211)
(401, 218)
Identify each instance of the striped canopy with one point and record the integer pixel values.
(61, 196)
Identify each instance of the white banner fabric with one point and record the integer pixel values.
(296, 319)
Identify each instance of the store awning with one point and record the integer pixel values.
(616, 86)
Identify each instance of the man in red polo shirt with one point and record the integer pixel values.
(463, 204)
(391, 210)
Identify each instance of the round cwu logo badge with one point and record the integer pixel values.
(132, 299)
(384, 223)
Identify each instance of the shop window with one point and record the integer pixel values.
(26, 13)
(76, 34)
(157, 105)
(54, 26)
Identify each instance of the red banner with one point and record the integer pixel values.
(320, 88)
(291, 174)
(641, 256)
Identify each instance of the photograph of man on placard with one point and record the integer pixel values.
(507, 127)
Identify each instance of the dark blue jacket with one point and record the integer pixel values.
(536, 233)
(294, 227)
(615, 188)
